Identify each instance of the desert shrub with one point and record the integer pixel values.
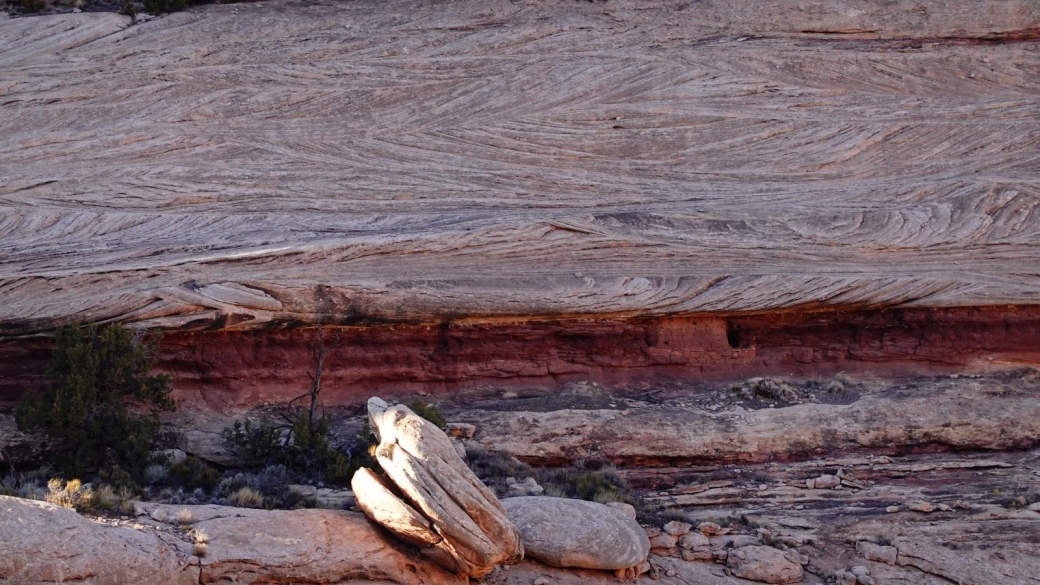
(71, 494)
(311, 454)
(362, 452)
(272, 483)
(254, 444)
(430, 412)
(85, 413)
(246, 498)
(27, 484)
(155, 473)
(193, 473)
(162, 6)
(303, 448)
(26, 6)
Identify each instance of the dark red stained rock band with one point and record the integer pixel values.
(245, 368)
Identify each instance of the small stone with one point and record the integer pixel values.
(877, 552)
(541, 581)
(827, 482)
(860, 571)
(696, 555)
(943, 507)
(676, 528)
(663, 542)
(694, 541)
(670, 573)
(892, 509)
(628, 509)
(923, 507)
(845, 578)
(1031, 507)
(461, 430)
(510, 481)
(709, 528)
(962, 505)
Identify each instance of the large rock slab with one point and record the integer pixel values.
(44, 543)
(308, 546)
(475, 533)
(575, 533)
(961, 414)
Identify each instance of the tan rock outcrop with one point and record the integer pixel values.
(447, 510)
(575, 533)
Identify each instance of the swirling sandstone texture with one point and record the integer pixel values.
(237, 165)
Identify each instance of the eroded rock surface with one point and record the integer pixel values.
(444, 509)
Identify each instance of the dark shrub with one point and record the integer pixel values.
(97, 373)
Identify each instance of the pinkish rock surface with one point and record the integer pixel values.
(233, 166)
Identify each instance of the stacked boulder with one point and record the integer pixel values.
(430, 499)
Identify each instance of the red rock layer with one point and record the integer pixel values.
(244, 368)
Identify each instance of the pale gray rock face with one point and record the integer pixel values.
(765, 564)
(443, 508)
(575, 533)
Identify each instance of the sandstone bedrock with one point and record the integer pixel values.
(274, 162)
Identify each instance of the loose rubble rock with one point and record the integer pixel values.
(877, 552)
(461, 430)
(676, 528)
(528, 487)
(574, 533)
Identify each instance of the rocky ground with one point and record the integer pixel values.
(893, 476)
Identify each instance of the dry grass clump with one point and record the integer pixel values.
(246, 498)
(72, 494)
(184, 516)
(201, 542)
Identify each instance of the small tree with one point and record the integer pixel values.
(102, 410)
(301, 442)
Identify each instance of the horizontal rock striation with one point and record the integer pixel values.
(236, 166)
(221, 369)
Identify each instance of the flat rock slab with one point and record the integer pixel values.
(48, 544)
(575, 533)
(44, 543)
(231, 166)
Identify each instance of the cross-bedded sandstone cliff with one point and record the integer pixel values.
(233, 166)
